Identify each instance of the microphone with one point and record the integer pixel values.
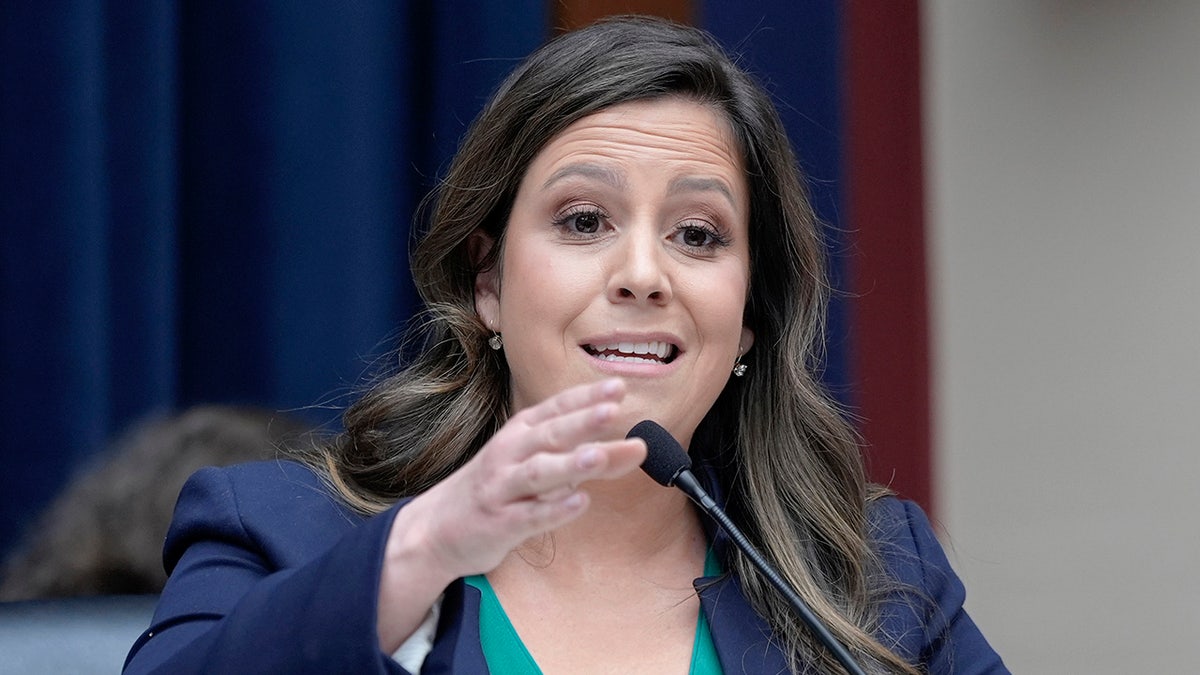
(670, 466)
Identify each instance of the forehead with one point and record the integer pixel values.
(670, 132)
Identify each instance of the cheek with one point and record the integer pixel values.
(723, 311)
(544, 290)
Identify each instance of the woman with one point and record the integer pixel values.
(622, 234)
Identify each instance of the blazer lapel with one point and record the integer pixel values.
(741, 637)
(457, 648)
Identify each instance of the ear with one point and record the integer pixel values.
(745, 341)
(487, 281)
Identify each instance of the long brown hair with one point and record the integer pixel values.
(797, 483)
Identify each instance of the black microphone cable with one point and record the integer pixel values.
(668, 464)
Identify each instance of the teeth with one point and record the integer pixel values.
(625, 359)
(627, 349)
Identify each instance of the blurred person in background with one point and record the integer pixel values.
(104, 533)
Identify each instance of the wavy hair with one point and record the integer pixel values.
(797, 483)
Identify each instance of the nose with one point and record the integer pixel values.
(639, 272)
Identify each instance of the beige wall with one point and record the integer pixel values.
(1063, 147)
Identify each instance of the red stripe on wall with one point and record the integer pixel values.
(885, 204)
(572, 14)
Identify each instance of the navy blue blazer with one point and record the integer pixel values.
(271, 573)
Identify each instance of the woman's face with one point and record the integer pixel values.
(627, 253)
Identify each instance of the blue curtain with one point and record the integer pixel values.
(210, 202)
(796, 49)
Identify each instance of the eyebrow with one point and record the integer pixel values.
(604, 174)
(616, 179)
(695, 184)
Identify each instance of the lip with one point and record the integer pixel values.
(632, 367)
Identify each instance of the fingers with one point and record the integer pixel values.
(567, 432)
(561, 423)
(527, 479)
(552, 476)
(542, 515)
(573, 399)
(546, 509)
(548, 450)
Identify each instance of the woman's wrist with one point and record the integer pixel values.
(412, 577)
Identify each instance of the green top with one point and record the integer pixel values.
(505, 653)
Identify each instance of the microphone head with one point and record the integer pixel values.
(665, 458)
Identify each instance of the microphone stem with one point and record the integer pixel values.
(686, 481)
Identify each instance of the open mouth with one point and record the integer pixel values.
(634, 352)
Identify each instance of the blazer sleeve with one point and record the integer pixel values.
(263, 584)
(925, 619)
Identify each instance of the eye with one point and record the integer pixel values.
(587, 222)
(695, 236)
(581, 220)
(699, 236)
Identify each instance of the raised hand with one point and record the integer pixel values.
(525, 481)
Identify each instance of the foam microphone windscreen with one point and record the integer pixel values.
(665, 457)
